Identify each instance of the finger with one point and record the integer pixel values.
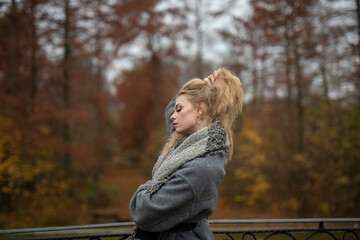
(216, 73)
(212, 79)
(207, 81)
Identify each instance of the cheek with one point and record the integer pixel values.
(188, 117)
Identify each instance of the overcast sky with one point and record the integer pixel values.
(217, 50)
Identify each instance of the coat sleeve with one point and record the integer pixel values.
(169, 110)
(169, 206)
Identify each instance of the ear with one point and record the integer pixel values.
(201, 109)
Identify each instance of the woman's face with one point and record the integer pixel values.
(185, 116)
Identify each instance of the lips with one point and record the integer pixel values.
(175, 124)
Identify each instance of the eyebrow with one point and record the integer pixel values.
(177, 105)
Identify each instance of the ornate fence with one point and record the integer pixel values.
(255, 229)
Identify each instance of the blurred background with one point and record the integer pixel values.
(83, 86)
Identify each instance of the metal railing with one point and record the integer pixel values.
(264, 229)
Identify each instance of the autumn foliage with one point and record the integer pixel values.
(144, 93)
(85, 82)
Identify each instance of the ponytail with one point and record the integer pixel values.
(223, 100)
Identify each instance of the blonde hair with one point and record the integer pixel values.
(223, 99)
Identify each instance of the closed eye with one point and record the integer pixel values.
(178, 110)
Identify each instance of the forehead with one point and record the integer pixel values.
(182, 99)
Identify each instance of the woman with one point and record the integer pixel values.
(183, 191)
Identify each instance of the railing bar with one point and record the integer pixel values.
(295, 220)
(281, 230)
(64, 228)
(80, 236)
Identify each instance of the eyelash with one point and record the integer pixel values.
(178, 110)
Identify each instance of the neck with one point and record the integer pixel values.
(202, 124)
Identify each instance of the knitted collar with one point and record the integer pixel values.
(207, 141)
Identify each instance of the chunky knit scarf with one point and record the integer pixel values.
(207, 141)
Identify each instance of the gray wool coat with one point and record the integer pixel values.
(190, 195)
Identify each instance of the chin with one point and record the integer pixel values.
(178, 131)
(185, 133)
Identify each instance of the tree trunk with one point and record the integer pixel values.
(299, 96)
(288, 69)
(155, 69)
(263, 78)
(255, 81)
(66, 84)
(358, 25)
(199, 39)
(9, 80)
(33, 71)
(326, 93)
(357, 77)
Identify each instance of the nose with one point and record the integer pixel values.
(172, 117)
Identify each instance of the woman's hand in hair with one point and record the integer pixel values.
(211, 79)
